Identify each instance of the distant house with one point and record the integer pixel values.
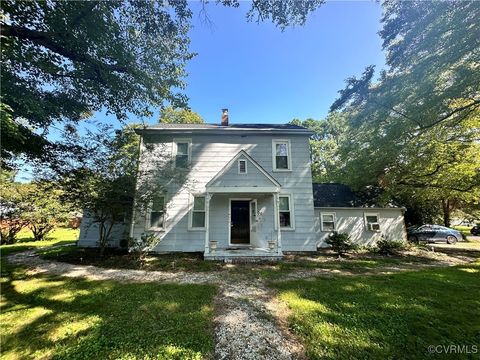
(337, 209)
(251, 194)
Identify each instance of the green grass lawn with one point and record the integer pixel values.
(386, 316)
(59, 236)
(53, 317)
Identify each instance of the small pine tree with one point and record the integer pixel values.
(340, 243)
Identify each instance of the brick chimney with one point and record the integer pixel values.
(224, 117)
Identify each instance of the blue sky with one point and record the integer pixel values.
(264, 75)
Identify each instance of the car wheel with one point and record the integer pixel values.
(413, 239)
(451, 239)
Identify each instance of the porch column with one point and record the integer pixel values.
(207, 222)
(277, 222)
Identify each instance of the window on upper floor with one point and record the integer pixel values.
(182, 152)
(281, 155)
(242, 166)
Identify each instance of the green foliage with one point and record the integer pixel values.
(64, 60)
(390, 247)
(329, 134)
(45, 209)
(100, 178)
(414, 132)
(36, 205)
(385, 316)
(13, 205)
(340, 243)
(170, 115)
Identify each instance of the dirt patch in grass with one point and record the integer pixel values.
(122, 259)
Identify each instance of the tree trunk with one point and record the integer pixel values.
(447, 208)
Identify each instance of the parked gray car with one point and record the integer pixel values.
(434, 233)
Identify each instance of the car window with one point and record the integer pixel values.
(424, 227)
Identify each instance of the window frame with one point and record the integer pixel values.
(191, 211)
(368, 214)
(175, 143)
(246, 170)
(334, 215)
(276, 142)
(291, 211)
(148, 218)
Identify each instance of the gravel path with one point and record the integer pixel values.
(250, 322)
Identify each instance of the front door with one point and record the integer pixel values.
(240, 222)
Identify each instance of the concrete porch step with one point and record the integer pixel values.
(242, 255)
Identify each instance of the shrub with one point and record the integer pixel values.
(390, 247)
(340, 243)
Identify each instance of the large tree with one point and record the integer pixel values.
(170, 115)
(328, 135)
(415, 131)
(63, 60)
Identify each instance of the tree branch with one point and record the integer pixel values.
(45, 39)
(421, 185)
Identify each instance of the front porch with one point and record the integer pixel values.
(241, 216)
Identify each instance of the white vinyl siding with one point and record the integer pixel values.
(281, 155)
(210, 154)
(327, 221)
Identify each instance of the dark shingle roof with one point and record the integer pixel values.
(333, 195)
(229, 127)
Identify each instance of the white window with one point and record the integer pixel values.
(198, 213)
(281, 155)
(285, 212)
(371, 221)
(156, 214)
(182, 152)
(242, 166)
(328, 221)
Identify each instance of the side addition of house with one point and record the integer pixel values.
(249, 190)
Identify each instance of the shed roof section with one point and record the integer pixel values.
(333, 195)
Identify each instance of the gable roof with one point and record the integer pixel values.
(333, 195)
(212, 128)
(243, 153)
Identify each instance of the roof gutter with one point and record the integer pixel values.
(224, 131)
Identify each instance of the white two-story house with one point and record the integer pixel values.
(249, 194)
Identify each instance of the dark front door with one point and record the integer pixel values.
(240, 222)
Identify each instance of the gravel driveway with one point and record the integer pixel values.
(250, 322)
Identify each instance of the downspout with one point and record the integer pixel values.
(132, 221)
(277, 222)
(207, 223)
